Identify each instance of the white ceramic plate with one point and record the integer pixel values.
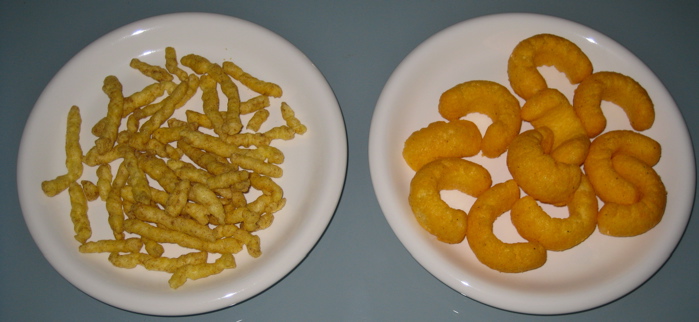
(595, 272)
(314, 168)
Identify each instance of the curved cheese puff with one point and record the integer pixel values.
(491, 99)
(558, 234)
(619, 89)
(550, 108)
(455, 139)
(491, 251)
(635, 219)
(545, 50)
(608, 183)
(537, 173)
(432, 213)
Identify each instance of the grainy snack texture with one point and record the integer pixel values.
(202, 186)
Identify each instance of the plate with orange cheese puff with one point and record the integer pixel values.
(573, 191)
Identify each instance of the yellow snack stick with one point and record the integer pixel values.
(152, 247)
(205, 160)
(162, 235)
(232, 124)
(199, 213)
(199, 193)
(137, 179)
(254, 104)
(98, 129)
(167, 264)
(112, 87)
(193, 174)
(256, 165)
(197, 271)
(142, 98)
(159, 196)
(224, 194)
(257, 120)
(104, 180)
(166, 135)
(265, 221)
(226, 179)
(178, 98)
(160, 263)
(94, 158)
(250, 219)
(74, 156)
(252, 242)
(265, 153)
(198, 64)
(129, 260)
(211, 104)
(155, 147)
(249, 139)
(208, 143)
(114, 204)
(238, 199)
(198, 119)
(170, 86)
(290, 117)
(78, 213)
(267, 186)
(134, 101)
(148, 110)
(184, 225)
(155, 72)
(259, 86)
(171, 64)
(130, 245)
(282, 132)
(177, 200)
(124, 137)
(158, 171)
(132, 124)
(173, 122)
(234, 214)
(91, 190)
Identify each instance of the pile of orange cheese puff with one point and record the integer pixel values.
(565, 160)
(205, 166)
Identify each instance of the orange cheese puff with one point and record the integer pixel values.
(550, 108)
(456, 139)
(491, 99)
(619, 89)
(637, 218)
(537, 173)
(605, 178)
(491, 251)
(432, 213)
(558, 234)
(545, 50)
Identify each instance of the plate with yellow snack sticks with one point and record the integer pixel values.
(182, 164)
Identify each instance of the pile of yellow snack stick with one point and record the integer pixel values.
(205, 166)
(565, 160)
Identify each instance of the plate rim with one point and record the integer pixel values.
(335, 180)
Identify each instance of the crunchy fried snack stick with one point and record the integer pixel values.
(197, 271)
(259, 86)
(74, 156)
(78, 213)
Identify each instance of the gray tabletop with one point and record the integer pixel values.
(358, 270)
